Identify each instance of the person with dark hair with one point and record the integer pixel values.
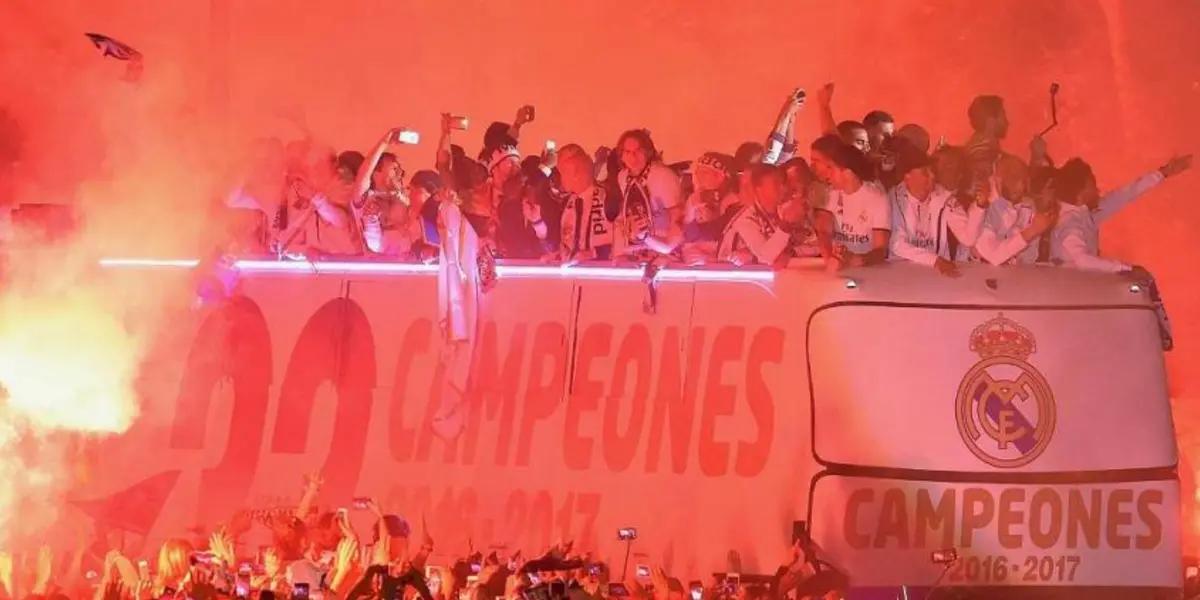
(587, 232)
(989, 126)
(651, 209)
(756, 234)
(709, 207)
(880, 126)
(915, 135)
(855, 225)
(1075, 241)
(925, 215)
(855, 134)
(379, 201)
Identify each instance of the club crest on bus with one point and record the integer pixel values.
(1005, 408)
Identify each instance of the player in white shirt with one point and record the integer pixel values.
(1015, 220)
(651, 214)
(924, 215)
(587, 233)
(756, 234)
(854, 227)
(1076, 238)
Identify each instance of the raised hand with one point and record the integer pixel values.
(45, 566)
(825, 94)
(221, 545)
(524, 115)
(271, 563)
(6, 572)
(1176, 165)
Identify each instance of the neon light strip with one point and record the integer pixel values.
(389, 268)
(148, 263)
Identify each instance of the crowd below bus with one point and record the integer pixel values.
(315, 553)
(869, 192)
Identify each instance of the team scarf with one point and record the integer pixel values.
(636, 209)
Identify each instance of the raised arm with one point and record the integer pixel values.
(362, 183)
(1114, 201)
(312, 486)
(781, 143)
(524, 115)
(825, 108)
(443, 157)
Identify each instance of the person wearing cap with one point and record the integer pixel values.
(501, 135)
(756, 234)
(709, 207)
(926, 215)
(527, 217)
(650, 217)
(586, 230)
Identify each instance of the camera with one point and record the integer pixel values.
(626, 534)
(643, 571)
(944, 557)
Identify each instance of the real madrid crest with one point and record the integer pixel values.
(1005, 408)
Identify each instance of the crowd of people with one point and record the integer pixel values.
(869, 192)
(317, 554)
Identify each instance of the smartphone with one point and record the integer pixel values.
(407, 136)
(434, 581)
(551, 146)
(360, 503)
(241, 586)
(143, 570)
(459, 123)
(697, 590)
(300, 591)
(617, 589)
(643, 571)
(476, 568)
(626, 534)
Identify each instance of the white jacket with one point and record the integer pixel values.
(1000, 241)
(921, 228)
(1076, 238)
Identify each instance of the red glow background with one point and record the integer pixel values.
(703, 75)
